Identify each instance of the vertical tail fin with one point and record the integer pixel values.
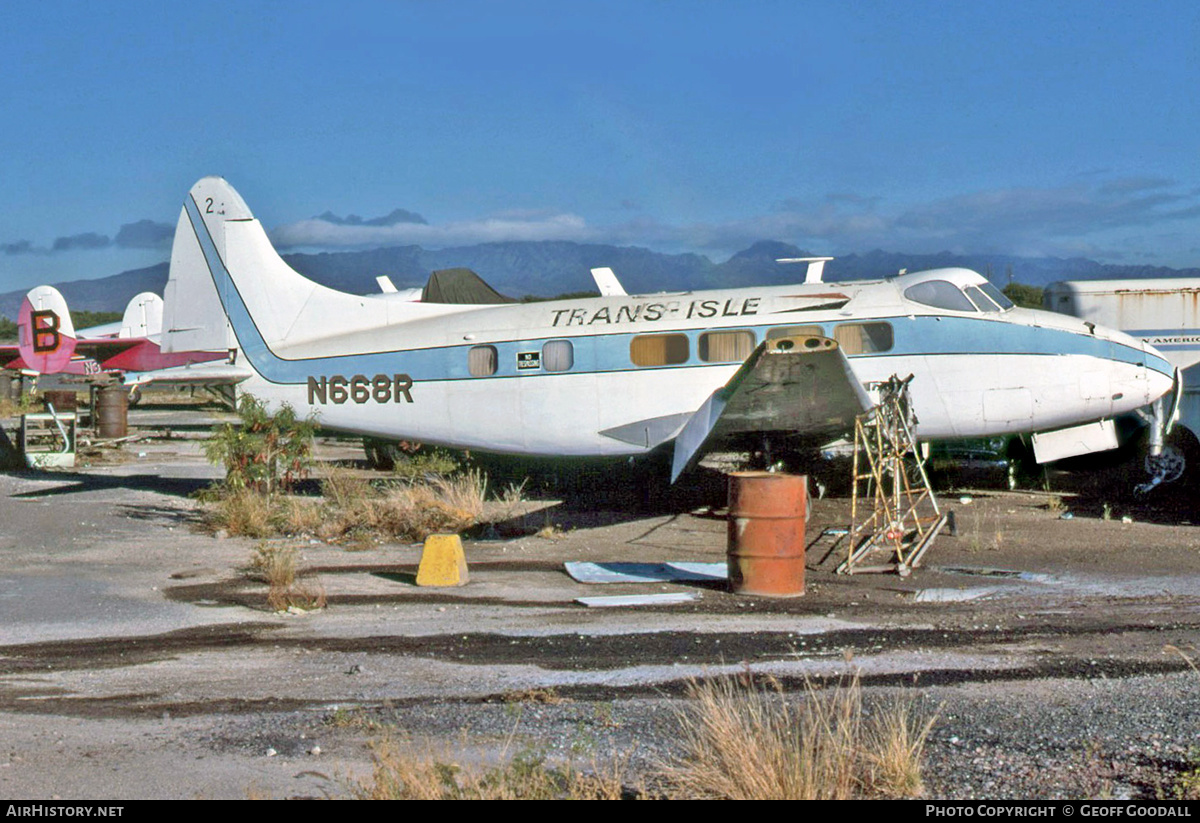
(193, 316)
(225, 274)
(143, 316)
(45, 333)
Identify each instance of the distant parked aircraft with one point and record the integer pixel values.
(48, 343)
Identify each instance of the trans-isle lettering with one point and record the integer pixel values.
(338, 389)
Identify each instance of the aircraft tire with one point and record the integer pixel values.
(381, 454)
(1186, 444)
(1024, 472)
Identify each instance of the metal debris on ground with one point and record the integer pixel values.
(951, 595)
(665, 572)
(48, 439)
(1011, 574)
(637, 600)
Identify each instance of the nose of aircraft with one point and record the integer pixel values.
(1137, 379)
(1161, 376)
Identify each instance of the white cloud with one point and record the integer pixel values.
(324, 234)
(1094, 218)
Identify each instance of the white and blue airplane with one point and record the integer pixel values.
(627, 374)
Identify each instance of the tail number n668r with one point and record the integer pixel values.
(338, 389)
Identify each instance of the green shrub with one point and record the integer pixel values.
(265, 452)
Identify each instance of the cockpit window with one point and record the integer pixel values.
(1000, 297)
(941, 294)
(981, 300)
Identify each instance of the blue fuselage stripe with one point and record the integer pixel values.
(914, 335)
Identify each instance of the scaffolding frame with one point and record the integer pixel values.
(892, 508)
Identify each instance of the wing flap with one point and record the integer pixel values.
(797, 385)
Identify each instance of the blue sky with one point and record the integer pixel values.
(1064, 129)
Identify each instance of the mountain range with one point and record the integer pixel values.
(556, 267)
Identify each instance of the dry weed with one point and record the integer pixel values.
(276, 566)
(748, 742)
(242, 514)
(15, 408)
(550, 531)
(354, 718)
(297, 515)
(465, 492)
(548, 696)
(403, 773)
(302, 595)
(415, 511)
(353, 508)
(894, 745)
(343, 489)
(514, 494)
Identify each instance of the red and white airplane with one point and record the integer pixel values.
(48, 343)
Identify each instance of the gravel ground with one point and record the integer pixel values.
(137, 660)
(1050, 739)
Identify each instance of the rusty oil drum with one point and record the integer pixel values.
(767, 511)
(62, 401)
(112, 412)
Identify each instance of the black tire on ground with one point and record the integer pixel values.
(381, 454)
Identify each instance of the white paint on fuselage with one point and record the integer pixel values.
(954, 395)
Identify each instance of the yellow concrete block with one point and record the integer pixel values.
(442, 562)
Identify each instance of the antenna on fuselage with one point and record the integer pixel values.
(816, 266)
(607, 282)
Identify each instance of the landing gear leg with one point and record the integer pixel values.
(1164, 463)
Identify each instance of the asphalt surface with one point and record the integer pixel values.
(139, 660)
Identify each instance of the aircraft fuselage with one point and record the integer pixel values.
(975, 374)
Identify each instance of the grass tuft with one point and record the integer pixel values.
(276, 566)
(413, 511)
(243, 513)
(747, 742)
(548, 696)
(354, 509)
(401, 772)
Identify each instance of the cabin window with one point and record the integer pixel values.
(941, 294)
(481, 361)
(726, 346)
(794, 331)
(558, 355)
(864, 338)
(658, 349)
(981, 300)
(998, 296)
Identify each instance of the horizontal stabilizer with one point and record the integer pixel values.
(800, 385)
(194, 374)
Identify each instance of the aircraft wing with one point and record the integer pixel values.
(800, 385)
(194, 374)
(10, 356)
(105, 348)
